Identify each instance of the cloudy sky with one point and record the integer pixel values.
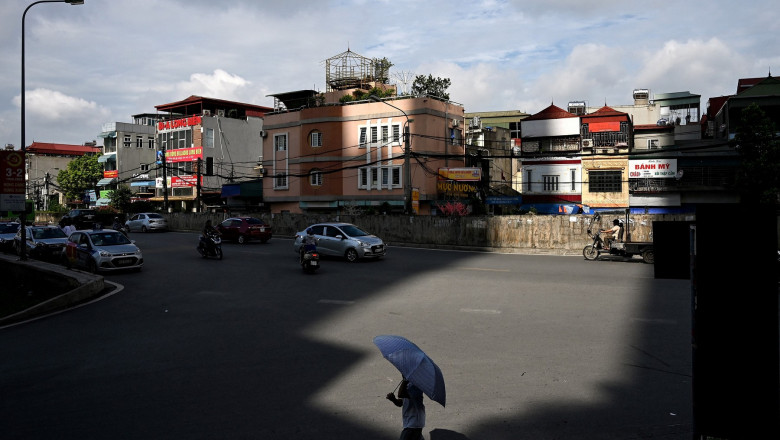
(108, 59)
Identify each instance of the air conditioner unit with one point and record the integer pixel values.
(587, 143)
(454, 122)
(206, 112)
(221, 112)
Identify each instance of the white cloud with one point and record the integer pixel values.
(220, 85)
(51, 105)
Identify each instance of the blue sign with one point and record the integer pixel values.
(503, 200)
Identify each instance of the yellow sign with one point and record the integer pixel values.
(461, 174)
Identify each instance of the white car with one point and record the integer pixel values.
(343, 240)
(147, 221)
(98, 250)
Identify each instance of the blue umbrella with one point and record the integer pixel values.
(414, 365)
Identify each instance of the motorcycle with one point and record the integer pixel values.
(310, 260)
(617, 247)
(210, 245)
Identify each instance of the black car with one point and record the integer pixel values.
(80, 218)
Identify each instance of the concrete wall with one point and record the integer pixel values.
(549, 233)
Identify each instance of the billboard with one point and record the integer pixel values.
(12, 181)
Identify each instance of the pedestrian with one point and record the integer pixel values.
(68, 228)
(411, 399)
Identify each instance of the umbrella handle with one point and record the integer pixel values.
(396, 387)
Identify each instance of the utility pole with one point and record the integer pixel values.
(165, 181)
(198, 184)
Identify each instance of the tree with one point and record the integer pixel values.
(759, 177)
(120, 198)
(436, 87)
(81, 175)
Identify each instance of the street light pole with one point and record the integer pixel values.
(23, 217)
(407, 154)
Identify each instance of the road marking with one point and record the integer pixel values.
(336, 301)
(485, 269)
(484, 311)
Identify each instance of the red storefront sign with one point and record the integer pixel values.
(12, 181)
(179, 123)
(111, 174)
(184, 155)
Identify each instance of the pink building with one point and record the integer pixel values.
(330, 156)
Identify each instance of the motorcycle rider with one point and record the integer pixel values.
(208, 232)
(308, 242)
(117, 226)
(614, 233)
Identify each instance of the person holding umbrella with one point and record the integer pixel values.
(411, 399)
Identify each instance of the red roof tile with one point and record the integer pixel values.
(551, 112)
(64, 149)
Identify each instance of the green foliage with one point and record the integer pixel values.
(429, 85)
(759, 177)
(120, 198)
(382, 70)
(82, 174)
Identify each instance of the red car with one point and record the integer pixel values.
(243, 229)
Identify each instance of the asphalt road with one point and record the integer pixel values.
(531, 347)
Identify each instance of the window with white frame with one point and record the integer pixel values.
(385, 132)
(652, 144)
(374, 135)
(280, 181)
(396, 176)
(573, 174)
(208, 138)
(363, 136)
(150, 142)
(550, 182)
(144, 167)
(280, 143)
(127, 141)
(139, 142)
(397, 133)
(379, 177)
(315, 139)
(528, 180)
(315, 178)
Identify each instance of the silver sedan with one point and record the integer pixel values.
(343, 240)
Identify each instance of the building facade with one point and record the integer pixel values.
(334, 156)
(44, 161)
(203, 143)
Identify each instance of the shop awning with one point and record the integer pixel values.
(106, 181)
(143, 183)
(107, 157)
(231, 190)
(107, 134)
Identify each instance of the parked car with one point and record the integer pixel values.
(243, 229)
(343, 240)
(7, 232)
(147, 221)
(80, 218)
(98, 250)
(43, 242)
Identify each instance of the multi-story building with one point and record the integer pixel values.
(44, 162)
(327, 155)
(203, 143)
(129, 156)
(551, 167)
